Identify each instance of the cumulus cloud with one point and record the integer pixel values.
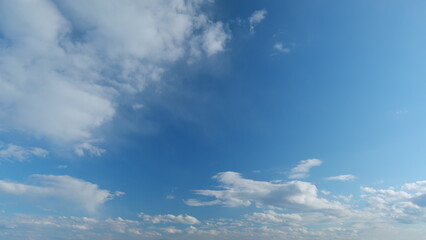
(238, 191)
(406, 204)
(255, 18)
(14, 152)
(303, 168)
(64, 65)
(84, 194)
(169, 218)
(343, 178)
(419, 186)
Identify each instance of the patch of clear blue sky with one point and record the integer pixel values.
(351, 92)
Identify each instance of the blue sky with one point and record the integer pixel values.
(212, 119)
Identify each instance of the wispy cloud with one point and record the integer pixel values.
(87, 147)
(343, 178)
(13, 152)
(256, 17)
(302, 170)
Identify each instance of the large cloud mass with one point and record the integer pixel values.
(63, 66)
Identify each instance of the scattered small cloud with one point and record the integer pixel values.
(325, 192)
(137, 106)
(170, 197)
(302, 170)
(343, 178)
(279, 46)
(257, 17)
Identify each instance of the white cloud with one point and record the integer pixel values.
(405, 204)
(123, 225)
(303, 168)
(419, 186)
(279, 46)
(65, 64)
(255, 18)
(169, 218)
(14, 152)
(377, 221)
(197, 203)
(325, 192)
(269, 224)
(84, 194)
(214, 39)
(172, 230)
(82, 148)
(343, 178)
(389, 194)
(272, 216)
(238, 191)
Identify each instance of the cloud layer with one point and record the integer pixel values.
(289, 210)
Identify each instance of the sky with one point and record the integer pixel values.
(204, 120)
